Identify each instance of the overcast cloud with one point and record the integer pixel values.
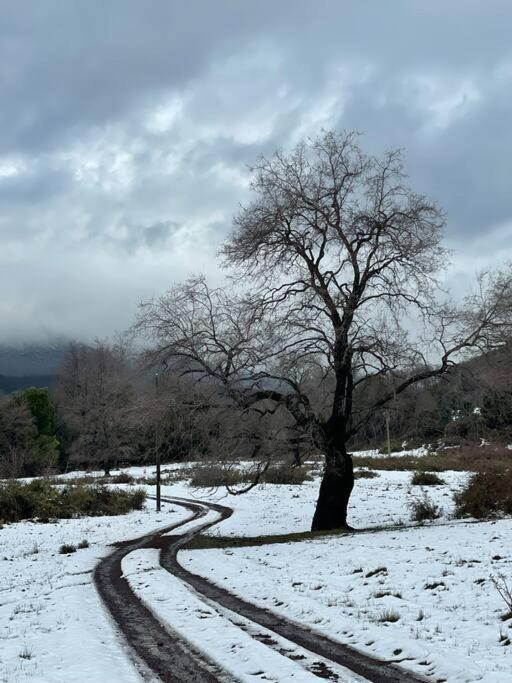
(126, 127)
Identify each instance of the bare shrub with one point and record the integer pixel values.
(122, 478)
(365, 474)
(486, 494)
(283, 473)
(67, 548)
(424, 508)
(426, 479)
(500, 582)
(215, 475)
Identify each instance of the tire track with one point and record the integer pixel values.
(172, 659)
(370, 668)
(164, 653)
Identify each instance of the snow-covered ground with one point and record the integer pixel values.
(344, 586)
(53, 627)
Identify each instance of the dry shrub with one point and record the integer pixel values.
(215, 475)
(424, 508)
(426, 479)
(282, 473)
(486, 494)
(365, 474)
(122, 478)
(39, 499)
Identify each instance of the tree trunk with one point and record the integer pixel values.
(335, 489)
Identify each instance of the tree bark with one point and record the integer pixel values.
(335, 489)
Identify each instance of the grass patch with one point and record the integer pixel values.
(39, 499)
(388, 594)
(486, 494)
(426, 479)
(388, 616)
(423, 509)
(215, 542)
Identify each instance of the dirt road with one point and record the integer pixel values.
(170, 658)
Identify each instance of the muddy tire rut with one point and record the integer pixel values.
(169, 657)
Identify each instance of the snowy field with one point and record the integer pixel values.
(53, 626)
(434, 580)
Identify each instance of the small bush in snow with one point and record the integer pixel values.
(365, 474)
(424, 508)
(122, 478)
(486, 494)
(215, 475)
(282, 473)
(25, 653)
(426, 479)
(388, 616)
(67, 548)
(83, 544)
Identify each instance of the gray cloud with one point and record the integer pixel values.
(126, 129)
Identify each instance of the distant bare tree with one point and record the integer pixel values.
(335, 266)
(17, 432)
(95, 396)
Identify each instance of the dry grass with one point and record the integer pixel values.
(469, 457)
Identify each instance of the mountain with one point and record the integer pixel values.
(30, 365)
(32, 359)
(8, 384)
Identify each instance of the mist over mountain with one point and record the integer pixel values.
(32, 358)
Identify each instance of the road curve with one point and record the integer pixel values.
(164, 653)
(172, 659)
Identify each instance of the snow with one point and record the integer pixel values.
(211, 628)
(49, 609)
(406, 452)
(450, 631)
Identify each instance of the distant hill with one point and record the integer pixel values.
(32, 359)
(8, 384)
(30, 365)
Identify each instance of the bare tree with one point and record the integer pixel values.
(95, 396)
(17, 434)
(335, 265)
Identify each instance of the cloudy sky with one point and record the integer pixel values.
(126, 127)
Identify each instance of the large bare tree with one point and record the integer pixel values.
(334, 265)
